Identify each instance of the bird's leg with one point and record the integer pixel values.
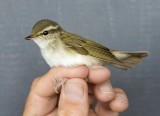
(59, 82)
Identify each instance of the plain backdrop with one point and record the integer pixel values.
(118, 24)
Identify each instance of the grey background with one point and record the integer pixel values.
(117, 24)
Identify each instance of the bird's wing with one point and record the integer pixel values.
(87, 47)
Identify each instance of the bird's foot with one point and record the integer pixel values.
(59, 82)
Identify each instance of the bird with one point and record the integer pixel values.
(61, 48)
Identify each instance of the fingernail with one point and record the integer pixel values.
(122, 99)
(106, 88)
(74, 90)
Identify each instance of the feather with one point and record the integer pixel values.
(87, 47)
(129, 59)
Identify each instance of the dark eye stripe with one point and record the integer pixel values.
(49, 31)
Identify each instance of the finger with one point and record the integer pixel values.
(98, 74)
(45, 87)
(104, 111)
(113, 108)
(36, 104)
(104, 92)
(92, 113)
(120, 103)
(71, 72)
(73, 99)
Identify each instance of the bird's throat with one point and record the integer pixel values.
(44, 43)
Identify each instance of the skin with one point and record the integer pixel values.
(76, 94)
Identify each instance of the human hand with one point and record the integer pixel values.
(76, 95)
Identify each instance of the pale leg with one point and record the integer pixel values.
(59, 82)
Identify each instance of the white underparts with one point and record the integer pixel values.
(58, 55)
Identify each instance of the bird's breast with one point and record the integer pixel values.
(62, 57)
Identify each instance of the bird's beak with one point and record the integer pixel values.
(28, 37)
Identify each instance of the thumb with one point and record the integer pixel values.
(73, 100)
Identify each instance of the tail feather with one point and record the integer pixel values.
(129, 59)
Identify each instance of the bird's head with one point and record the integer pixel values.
(45, 29)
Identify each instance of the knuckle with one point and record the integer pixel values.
(35, 81)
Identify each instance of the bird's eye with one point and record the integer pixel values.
(45, 33)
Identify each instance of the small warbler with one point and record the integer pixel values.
(62, 48)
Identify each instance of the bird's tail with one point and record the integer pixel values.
(128, 59)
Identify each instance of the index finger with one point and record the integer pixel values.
(98, 74)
